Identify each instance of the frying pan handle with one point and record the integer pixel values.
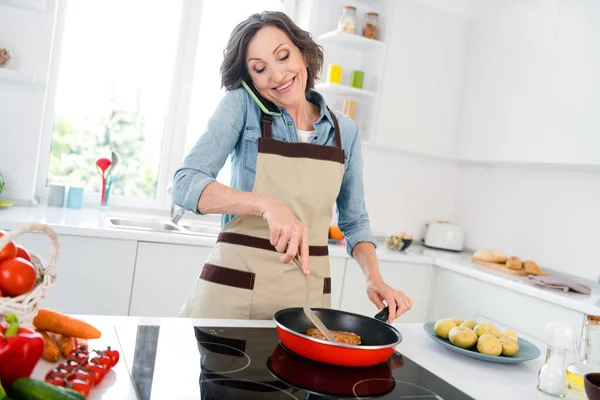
(383, 315)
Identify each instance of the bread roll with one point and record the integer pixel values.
(490, 256)
(514, 263)
(532, 268)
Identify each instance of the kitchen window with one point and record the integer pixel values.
(141, 79)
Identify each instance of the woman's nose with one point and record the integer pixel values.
(278, 75)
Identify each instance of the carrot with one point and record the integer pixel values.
(51, 351)
(53, 321)
(66, 344)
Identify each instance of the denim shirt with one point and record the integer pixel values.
(234, 129)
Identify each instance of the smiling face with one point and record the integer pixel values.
(276, 67)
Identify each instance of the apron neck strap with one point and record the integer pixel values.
(267, 122)
(336, 128)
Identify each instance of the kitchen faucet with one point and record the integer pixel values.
(176, 212)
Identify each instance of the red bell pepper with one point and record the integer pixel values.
(20, 351)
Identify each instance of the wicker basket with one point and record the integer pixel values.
(26, 305)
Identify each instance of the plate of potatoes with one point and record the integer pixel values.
(481, 340)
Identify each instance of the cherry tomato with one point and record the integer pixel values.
(113, 355)
(97, 371)
(21, 252)
(105, 361)
(80, 386)
(17, 276)
(0, 293)
(83, 375)
(9, 251)
(56, 381)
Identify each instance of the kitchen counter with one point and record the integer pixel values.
(165, 363)
(93, 223)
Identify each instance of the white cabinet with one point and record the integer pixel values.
(412, 279)
(337, 271)
(422, 79)
(458, 296)
(531, 90)
(453, 296)
(164, 276)
(93, 275)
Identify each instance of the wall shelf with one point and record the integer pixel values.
(343, 90)
(33, 5)
(349, 40)
(16, 76)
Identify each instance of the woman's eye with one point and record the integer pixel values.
(260, 71)
(284, 58)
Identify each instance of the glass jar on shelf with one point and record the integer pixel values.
(370, 27)
(347, 22)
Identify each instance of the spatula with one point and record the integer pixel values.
(310, 313)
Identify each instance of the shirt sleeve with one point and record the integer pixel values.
(202, 165)
(353, 219)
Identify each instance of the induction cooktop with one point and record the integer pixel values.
(251, 363)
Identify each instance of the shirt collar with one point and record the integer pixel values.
(317, 99)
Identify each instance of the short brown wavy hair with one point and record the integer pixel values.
(233, 68)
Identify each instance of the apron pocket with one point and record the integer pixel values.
(228, 276)
(221, 293)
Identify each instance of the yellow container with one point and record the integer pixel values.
(334, 74)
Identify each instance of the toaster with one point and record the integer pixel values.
(444, 235)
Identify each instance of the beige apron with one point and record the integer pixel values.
(244, 277)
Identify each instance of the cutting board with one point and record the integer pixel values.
(500, 267)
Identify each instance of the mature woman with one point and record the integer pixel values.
(292, 158)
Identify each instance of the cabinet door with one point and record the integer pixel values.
(412, 279)
(164, 276)
(453, 296)
(338, 269)
(422, 79)
(93, 275)
(459, 296)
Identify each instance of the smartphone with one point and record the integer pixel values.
(265, 105)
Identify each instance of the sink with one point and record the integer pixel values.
(143, 224)
(202, 229)
(157, 225)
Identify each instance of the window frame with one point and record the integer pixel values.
(174, 135)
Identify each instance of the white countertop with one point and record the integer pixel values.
(177, 365)
(93, 223)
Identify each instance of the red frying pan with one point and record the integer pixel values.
(378, 339)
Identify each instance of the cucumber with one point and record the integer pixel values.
(31, 389)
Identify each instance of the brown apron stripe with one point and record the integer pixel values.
(327, 286)
(264, 244)
(228, 276)
(301, 150)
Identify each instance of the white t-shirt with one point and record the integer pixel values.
(305, 136)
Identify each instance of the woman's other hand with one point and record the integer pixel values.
(288, 234)
(398, 302)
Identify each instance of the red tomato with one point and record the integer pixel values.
(9, 251)
(105, 361)
(83, 375)
(113, 355)
(17, 276)
(21, 252)
(80, 386)
(97, 371)
(0, 293)
(56, 381)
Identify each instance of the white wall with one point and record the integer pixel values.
(532, 90)
(405, 191)
(28, 35)
(550, 215)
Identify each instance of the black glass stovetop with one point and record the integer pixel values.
(251, 363)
